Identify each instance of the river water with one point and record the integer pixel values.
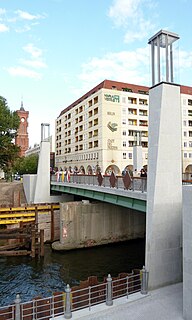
(41, 277)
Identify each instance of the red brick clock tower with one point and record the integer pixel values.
(22, 139)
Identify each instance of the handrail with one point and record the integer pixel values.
(71, 300)
(108, 181)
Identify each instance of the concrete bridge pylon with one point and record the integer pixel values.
(164, 187)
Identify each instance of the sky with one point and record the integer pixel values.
(54, 51)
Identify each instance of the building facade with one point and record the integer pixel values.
(186, 111)
(22, 139)
(99, 130)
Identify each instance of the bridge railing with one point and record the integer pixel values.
(72, 299)
(108, 181)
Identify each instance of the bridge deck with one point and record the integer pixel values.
(87, 187)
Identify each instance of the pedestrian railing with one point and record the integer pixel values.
(65, 303)
(108, 181)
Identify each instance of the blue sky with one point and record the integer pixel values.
(54, 51)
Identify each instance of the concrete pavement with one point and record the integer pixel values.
(161, 304)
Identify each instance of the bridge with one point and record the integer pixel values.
(121, 190)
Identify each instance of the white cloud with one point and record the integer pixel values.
(123, 9)
(2, 11)
(125, 66)
(23, 29)
(3, 28)
(24, 72)
(34, 63)
(26, 65)
(27, 16)
(33, 51)
(134, 16)
(185, 59)
(143, 31)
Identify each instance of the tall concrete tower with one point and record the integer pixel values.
(22, 139)
(164, 182)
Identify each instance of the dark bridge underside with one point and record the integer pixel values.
(113, 198)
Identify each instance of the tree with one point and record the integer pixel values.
(9, 123)
(26, 165)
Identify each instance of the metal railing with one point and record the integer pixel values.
(65, 303)
(135, 183)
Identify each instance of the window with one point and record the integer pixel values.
(190, 155)
(190, 144)
(124, 121)
(185, 155)
(184, 123)
(189, 102)
(130, 155)
(127, 89)
(184, 133)
(143, 92)
(124, 133)
(143, 101)
(132, 122)
(143, 123)
(132, 111)
(142, 112)
(132, 100)
(185, 144)
(124, 144)
(96, 100)
(124, 155)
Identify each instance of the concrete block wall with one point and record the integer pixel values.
(84, 224)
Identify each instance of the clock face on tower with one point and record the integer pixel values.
(22, 119)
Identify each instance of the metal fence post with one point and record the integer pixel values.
(67, 314)
(109, 301)
(17, 307)
(144, 281)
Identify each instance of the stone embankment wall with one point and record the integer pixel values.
(84, 224)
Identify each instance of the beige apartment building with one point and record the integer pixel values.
(99, 130)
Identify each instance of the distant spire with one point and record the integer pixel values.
(22, 108)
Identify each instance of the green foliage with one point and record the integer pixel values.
(9, 123)
(26, 165)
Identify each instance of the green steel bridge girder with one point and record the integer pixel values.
(124, 201)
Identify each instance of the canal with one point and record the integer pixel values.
(41, 277)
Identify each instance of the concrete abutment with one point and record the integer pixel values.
(84, 224)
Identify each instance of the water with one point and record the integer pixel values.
(41, 277)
